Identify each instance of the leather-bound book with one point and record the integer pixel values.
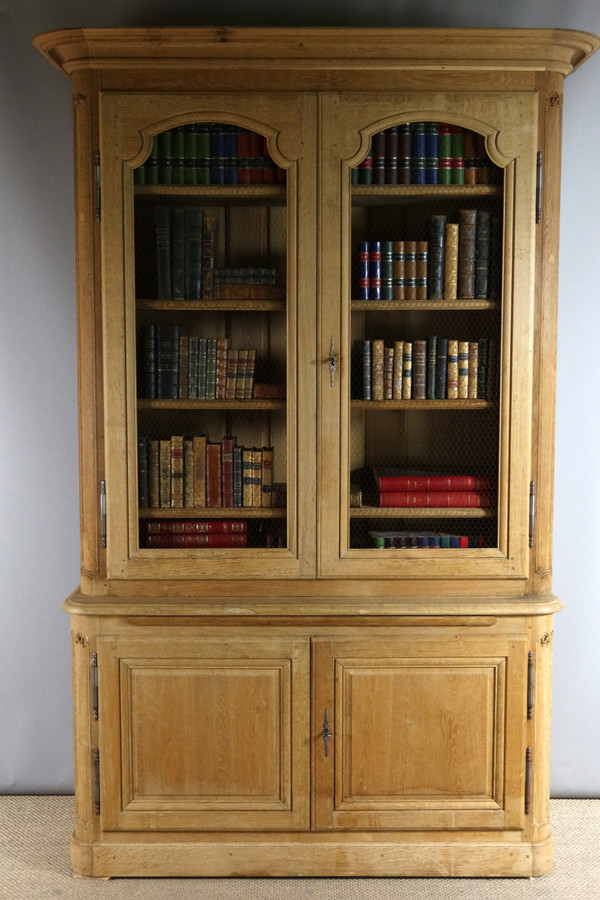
(243, 152)
(377, 353)
(473, 369)
(387, 271)
(436, 258)
(190, 152)
(256, 477)
(221, 370)
(247, 477)
(227, 445)
(388, 373)
(483, 161)
(482, 368)
(463, 369)
(199, 448)
(398, 369)
(165, 473)
(250, 367)
(178, 254)
(194, 228)
(177, 471)
(418, 153)
(457, 143)
(444, 154)
(232, 374)
(482, 255)
(153, 473)
(193, 541)
(214, 490)
(419, 370)
(143, 485)
(451, 263)
(211, 368)
(379, 158)
(375, 270)
(151, 165)
(183, 366)
(230, 143)
(407, 371)
(165, 157)
(196, 526)
(452, 382)
(267, 476)
(238, 486)
(431, 366)
(178, 150)
(404, 153)
(193, 367)
(367, 386)
(436, 499)
(422, 254)
(242, 366)
(391, 155)
(188, 473)
(362, 274)
(209, 249)
(203, 153)
(411, 269)
(162, 226)
(365, 169)
(217, 153)
(467, 230)
(202, 360)
(431, 152)
(398, 270)
(147, 362)
(470, 158)
(256, 169)
(441, 369)
(167, 355)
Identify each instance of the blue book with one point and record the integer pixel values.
(418, 153)
(431, 153)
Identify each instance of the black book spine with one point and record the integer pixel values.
(167, 341)
(391, 155)
(143, 489)
(482, 255)
(431, 366)
(404, 154)
(379, 158)
(441, 364)
(147, 362)
(162, 219)
(194, 220)
(435, 261)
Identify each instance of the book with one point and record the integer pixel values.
(418, 153)
(482, 254)
(473, 369)
(398, 270)
(444, 154)
(183, 366)
(470, 166)
(441, 368)
(203, 153)
(221, 368)
(397, 371)
(178, 155)
(247, 477)
(162, 218)
(227, 445)
(421, 270)
(196, 526)
(153, 474)
(452, 368)
(238, 488)
(391, 155)
(467, 227)
(194, 228)
(165, 473)
(190, 152)
(199, 475)
(431, 483)
(387, 279)
(431, 366)
(193, 368)
(431, 152)
(457, 144)
(407, 365)
(256, 477)
(167, 356)
(436, 253)
(451, 263)
(378, 147)
(249, 379)
(374, 270)
(165, 157)
(147, 362)
(209, 249)
(143, 484)
(178, 254)
(217, 153)
(419, 370)
(365, 169)
(377, 355)
(232, 374)
(410, 270)
(463, 370)
(436, 499)
(388, 373)
(214, 492)
(362, 278)
(183, 541)
(267, 476)
(188, 473)
(177, 471)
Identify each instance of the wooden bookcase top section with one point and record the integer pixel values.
(309, 55)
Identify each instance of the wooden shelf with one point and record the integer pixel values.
(422, 404)
(430, 305)
(247, 405)
(218, 512)
(429, 512)
(384, 193)
(216, 192)
(231, 305)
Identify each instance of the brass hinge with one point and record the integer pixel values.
(531, 513)
(539, 181)
(97, 187)
(530, 685)
(96, 778)
(94, 667)
(528, 774)
(103, 514)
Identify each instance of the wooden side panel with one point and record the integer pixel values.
(199, 736)
(419, 734)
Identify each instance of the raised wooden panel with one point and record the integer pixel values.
(419, 733)
(202, 735)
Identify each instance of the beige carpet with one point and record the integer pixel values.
(34, 865)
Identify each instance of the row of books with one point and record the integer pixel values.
(181, 473)
(175, 366)
(424, 540)
(209, 153)
(161, 533)
(453, 263)
(426, 153)
(437, 368)
(396, 489)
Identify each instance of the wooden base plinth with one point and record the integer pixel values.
(311, 856)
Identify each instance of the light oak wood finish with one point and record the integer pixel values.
(202, 751)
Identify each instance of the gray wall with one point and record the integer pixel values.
(39, 555)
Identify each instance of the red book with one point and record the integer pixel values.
(434, 483)
(179, 541)
(214, 494)
(436, 499)
(195, 526)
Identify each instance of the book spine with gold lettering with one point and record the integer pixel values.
(267, 476)
(419, 370)
(397, 377)
(188, 473)
(398, 270)
(388, 373)
(177, 471)
(377, 351)
(467, 229)
(473, 369)
(463, 370)
(452, 381)
(407, 371)
(411, 269)
(165, 473)
(422, 255)
(214, 490)
(451, 263)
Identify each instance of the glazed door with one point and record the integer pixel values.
(418, 734)
(427, 225)
(208, 274)
(203, 734)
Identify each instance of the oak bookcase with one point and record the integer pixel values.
(354, 690)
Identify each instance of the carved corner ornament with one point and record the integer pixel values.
(546, 639)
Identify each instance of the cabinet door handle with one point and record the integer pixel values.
(326, 734)
(333, 361)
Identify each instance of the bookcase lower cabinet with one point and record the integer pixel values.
(389, 749)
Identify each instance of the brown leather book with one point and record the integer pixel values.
(214, 493)
(199, 446)
(411, 269)
(473, 369)
(188, 473)
(154, 473)
(422, 262)
(388, 373)
(397, 380)
(407, 371)
(398, 270)
(165, 473)
(221, 372)
(463, 369)
(419, 370)
(267, 476)
(451, 263)
(227, 470)
(247, 476)
(467, 228)
(177, 471)
(377, 350)
(452, 386)
(256, 477)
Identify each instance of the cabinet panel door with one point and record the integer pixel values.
(432, 374)
(418, 734)
(198, 735)
(208, 320)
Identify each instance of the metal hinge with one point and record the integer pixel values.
(530, 685)
(94, 667)
(539, 181)
(103, 514)
(97, 187)
(96, 779)
(528, 775)
(531, 513)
